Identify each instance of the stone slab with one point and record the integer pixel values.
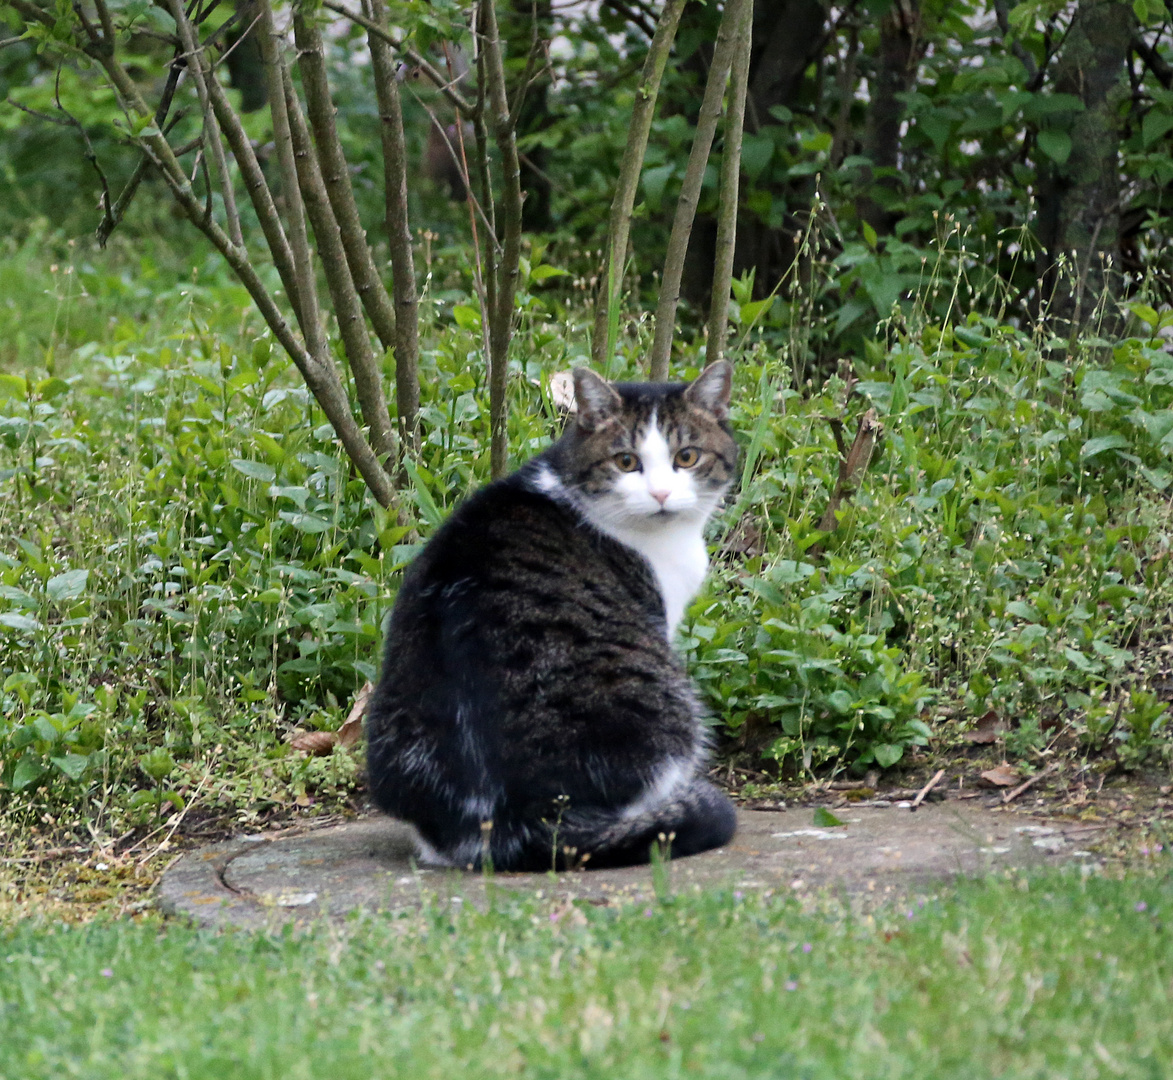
(258, 881)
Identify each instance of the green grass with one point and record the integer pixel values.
(1052, 977)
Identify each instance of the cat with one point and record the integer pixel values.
(531, 707)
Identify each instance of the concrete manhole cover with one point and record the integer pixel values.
(258, 881)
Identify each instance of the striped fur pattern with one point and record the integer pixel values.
(531, 706)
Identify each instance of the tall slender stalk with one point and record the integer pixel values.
(486, 284)
(364, 366)
(619, 226)
(407, 388)
(336, 174)
(319, 373)
(698, 159)
(727, 201)
(305, 299)
(200, 72)
(506, 265)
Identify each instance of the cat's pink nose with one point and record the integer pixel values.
(660, 496)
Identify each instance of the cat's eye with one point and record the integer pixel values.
(626, 462)
(686, 458)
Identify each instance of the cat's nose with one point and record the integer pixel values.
(660, 496)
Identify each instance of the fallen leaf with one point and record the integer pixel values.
(562, 391)
(315, 743)
(1002, 776)
(986, 730)
(825, 819)
(351, 730)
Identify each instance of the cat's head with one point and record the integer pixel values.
(642, 454)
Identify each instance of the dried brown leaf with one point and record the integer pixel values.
(315, 743)
(562, 391)
(1001, 776)
(986, 730)
(351, 730)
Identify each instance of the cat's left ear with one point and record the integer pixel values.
(711, 389)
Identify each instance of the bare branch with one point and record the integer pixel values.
(728, 198)
(305, 294)
(96, 45)
(852, 466)
(254, 182)
(527, 76)
(106, 21)
(407, 391)
(632, 15)
(1154, 61)
(364, 366)
(505, 275)
(336, 175)
(371, 27)
(202, 163)
(486, 284)
(49, 118)
(67, 119)
(321, 378)
(223, 29)
(199, 69)
(460, 160)
(117, 212)
(481, 136)
(619, 226)
(486, 289)
(706, 126)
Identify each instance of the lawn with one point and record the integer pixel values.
(1050, 976)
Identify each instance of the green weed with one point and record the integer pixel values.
(190, 571)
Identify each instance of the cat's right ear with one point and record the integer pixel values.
(597, 399)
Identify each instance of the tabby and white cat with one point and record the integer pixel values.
(529, 678)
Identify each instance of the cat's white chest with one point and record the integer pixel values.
(680, 561)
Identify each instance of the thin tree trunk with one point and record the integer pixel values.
(407, 389)
(486, 283)
(730, 185)
(336, 174)
(305, 298)
(1079, 198)
(710, 113)
(319, 373)
(506, 268)
(364, 365)
(200, 73)
(900, 50)
(790, 35)
(619, 227)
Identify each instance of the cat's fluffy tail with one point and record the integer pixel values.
(694, 818)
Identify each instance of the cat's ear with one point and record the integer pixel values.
(711, 389)
(596, 399)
